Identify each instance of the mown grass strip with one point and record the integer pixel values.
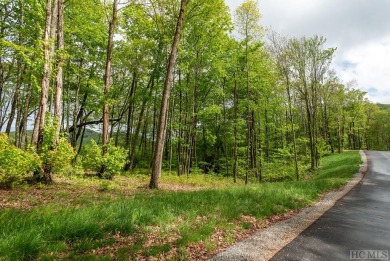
(30, 234)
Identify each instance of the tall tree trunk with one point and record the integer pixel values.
(194, 121)
(134, 141)
(338, 135)
(260, 178)
(45, 79)
(59, 78)
(248, 116)
(53, 29)
(76, 111)
(81, 143)
(154, 125)
(225, 146)
(68, 101)
(130, 116)
(171, 135)
(107, 77)
(310, 119)
(16, 98)
(254, 145)
(187, 132)
(15, 102)
(180, 166)
(161, 131)
(266, 134)
(44, 92)
(22, 69)
(292, 126)
(235, 131)
(26, 105)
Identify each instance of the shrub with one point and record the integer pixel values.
(60, 158)
(57, 157)
(113, 161)
(15, 164)
(323, 148)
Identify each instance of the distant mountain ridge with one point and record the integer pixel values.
(383, 106)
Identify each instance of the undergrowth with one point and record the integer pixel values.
(46, 232)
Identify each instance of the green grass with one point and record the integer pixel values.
(35, 233)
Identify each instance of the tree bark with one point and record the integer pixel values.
(59, 78)
(107, 77)
(76, 107)
(15, 102)
(161, 131)
(235, 132)
(292, 125)
(138, 127)
(45, 79)
(225, 146)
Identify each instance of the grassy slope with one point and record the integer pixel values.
(154, 223)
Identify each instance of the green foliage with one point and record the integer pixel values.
(113, 160)
(279, 170)
(15, 164)
(220, 79)
(30, 234)
(61, 158)
(323, 148)
(59, 155)
(247, 17)
(92, 157)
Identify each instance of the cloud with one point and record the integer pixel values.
(345, 21)
(360, 29)
(371, 68)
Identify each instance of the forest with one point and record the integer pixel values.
(165, 129)
(107, 87)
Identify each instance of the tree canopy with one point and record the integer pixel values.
(221, 97)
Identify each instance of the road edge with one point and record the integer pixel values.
(267, 242)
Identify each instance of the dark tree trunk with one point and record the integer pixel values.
(134, 142)
(235, 131)
(129, 124)
(292, 126)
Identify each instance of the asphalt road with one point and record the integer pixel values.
(360, 221)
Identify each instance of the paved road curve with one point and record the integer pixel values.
(359, 221)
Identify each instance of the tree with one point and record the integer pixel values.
(197, 94)
(283, 64)
(86, 44)
(161, 129)
(45, 79)
(59, 77)
(310, 62)
(107, 78)
(142, 53)
(247, 17)
(229, 105)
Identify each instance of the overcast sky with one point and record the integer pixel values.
(360, 29)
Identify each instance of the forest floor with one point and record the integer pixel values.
(189, 218)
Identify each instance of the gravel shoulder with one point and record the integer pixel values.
(267, 242)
